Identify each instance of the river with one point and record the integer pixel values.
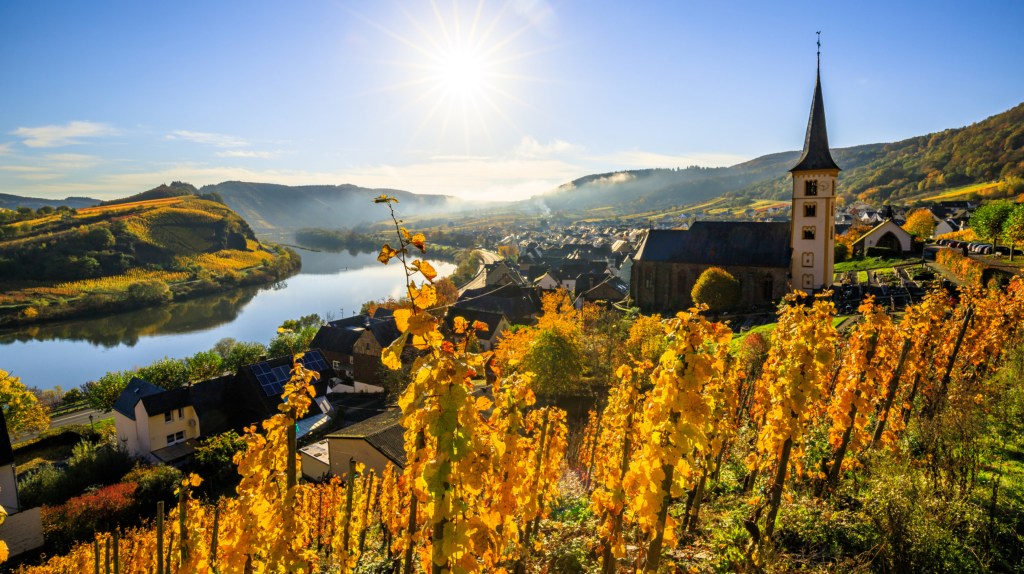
(71, 353)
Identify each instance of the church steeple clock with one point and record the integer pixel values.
(814, 195)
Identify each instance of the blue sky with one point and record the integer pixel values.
(488, 100)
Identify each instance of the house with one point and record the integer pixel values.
(8, 473)
(549, 281)
(496, 324)
(23, 528)
(519, 304)
(152, 422)
(375, 442)
(353, 345)
(886, 235)
(165, 425)
(503, 273)
(610, 288)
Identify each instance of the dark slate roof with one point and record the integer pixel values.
(726, 243)
(382, 325)
(517, 303)
(384, 432)
(336, 339)
(212, 401)
(6, 452)
(132, 394)
(490, 319)
(157, 403)
(816, 153)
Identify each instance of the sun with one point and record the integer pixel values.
(462, 74)
(461, 69)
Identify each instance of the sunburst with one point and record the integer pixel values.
(462, 74)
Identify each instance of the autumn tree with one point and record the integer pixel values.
(21, 408)
(717, 289)
(920, 223)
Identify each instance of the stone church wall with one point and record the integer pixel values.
(665, 287)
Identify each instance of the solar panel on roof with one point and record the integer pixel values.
(314, 361)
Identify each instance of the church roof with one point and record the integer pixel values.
(816, 153)
(725, 243)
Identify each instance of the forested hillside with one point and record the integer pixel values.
(990, 150)
(271, 207)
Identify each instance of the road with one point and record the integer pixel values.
(78, 418)
(480, 280)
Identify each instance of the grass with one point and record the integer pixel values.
(978, 188)
(766, 331)
(870, 263)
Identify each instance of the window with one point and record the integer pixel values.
(811, 187)
(810, 209)
(175, 438)
(808, 232)
(181, 414)
(807, 259)
(769, 288)
(168, 417)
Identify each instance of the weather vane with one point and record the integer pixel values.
(819, 47)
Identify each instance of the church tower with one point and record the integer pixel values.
(814, 203)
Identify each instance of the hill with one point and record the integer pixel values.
(163, 191)
(270, 207)
(137, 253)
(906, 171)
(8, 201)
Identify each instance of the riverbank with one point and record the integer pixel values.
(24, 305)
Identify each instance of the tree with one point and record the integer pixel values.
(556, 360)
(21, 408)
(204, 365)
(213, 458)
(987, 221)
(244, 353)
(1013, 229)
(717, 289)
(167, 373)
(103, 392)
(149, 291)
(920, 223)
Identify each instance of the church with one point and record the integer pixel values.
(768, 259)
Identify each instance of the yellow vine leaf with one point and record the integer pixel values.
(416, 323)
(424, 297)
(426, 269)
(391, 356)
(386, 253)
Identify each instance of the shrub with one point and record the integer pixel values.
(966, 269)
(155, 483)
(82, 516)
(91, 464)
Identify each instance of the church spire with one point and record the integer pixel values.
(816, 153)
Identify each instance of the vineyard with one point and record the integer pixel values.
(88, 261)
(869, 450)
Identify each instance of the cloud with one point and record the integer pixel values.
(530, 147)
(638, 159)
(248, 154)
(68, 134)
(620, 177)
(5, 148)
(71, 160)
(539, 13)
(208, 138)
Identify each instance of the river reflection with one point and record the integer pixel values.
(73, 352)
